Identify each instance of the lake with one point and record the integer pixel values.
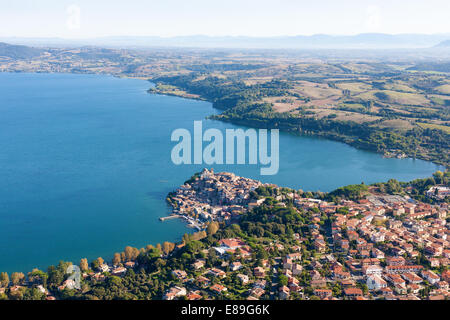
(85, 166)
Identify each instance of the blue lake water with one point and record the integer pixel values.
(85, 166)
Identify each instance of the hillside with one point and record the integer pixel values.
(18, 52)
(443, 44)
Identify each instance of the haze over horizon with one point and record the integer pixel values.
(84, 19)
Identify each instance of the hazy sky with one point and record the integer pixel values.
(93, 18)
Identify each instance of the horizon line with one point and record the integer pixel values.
(227, 36)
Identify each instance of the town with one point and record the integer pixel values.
(213, 197)
(258, 241)
(380, 247)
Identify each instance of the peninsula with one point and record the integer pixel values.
(258, 241)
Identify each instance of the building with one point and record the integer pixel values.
(259, 272)
(323, 293)
(375, 282)
(353, 292)
(174, 292)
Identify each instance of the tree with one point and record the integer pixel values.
(128, 253)
(438, 177)
(186, 238)
(33, 294)
(4, 279)
(97, 263)
(17, 277)
(167, 247)
(116, 259)
(55, 275)
(135, 253)
(38, 276)
(84, 266)
(282, 280)
(212, 228)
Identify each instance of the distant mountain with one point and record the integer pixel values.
(443, 44)
(319, 41)
(430, 66)
(361, 41)
(18, 51)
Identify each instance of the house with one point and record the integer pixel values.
(430, 276)
(287, 263)
(261, 283)
(353, 292)
(412, 278)
(203, 281)
(259, 272)
(119, 271)
(68, 284)
(198, 264)
(194, 295)
(434, 250)
(218, 288)
(294, 256)
(130, 264)
(284, 293)
(231, 243)
(257, 292)
(320, 245)
(315, 275)
(41, 289)
(180, 274)
(438, 192)
(236, 265)
(414, 288)
(442, 285)
(375, 282)
(174, 292)
(402, 269)
(395, 279)
(297, 269)
(323, 293)
(377, 253)
(446, 275)
(372, 269)
(103, 268)
(243, 277)
(400, 289)
(377, 237)
(395, 261)
(217, 273)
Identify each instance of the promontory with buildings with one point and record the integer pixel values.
(258, 241)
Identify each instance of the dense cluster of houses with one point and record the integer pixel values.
(393, 245)
(213, 196)
(380, 247)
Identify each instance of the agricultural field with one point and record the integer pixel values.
(435, 126)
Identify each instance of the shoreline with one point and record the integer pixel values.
(387, 153)
(225, 186)
(399, 154)
(141, 79)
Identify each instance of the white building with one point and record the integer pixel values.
(375, 282)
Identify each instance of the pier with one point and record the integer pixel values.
(169, 217)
